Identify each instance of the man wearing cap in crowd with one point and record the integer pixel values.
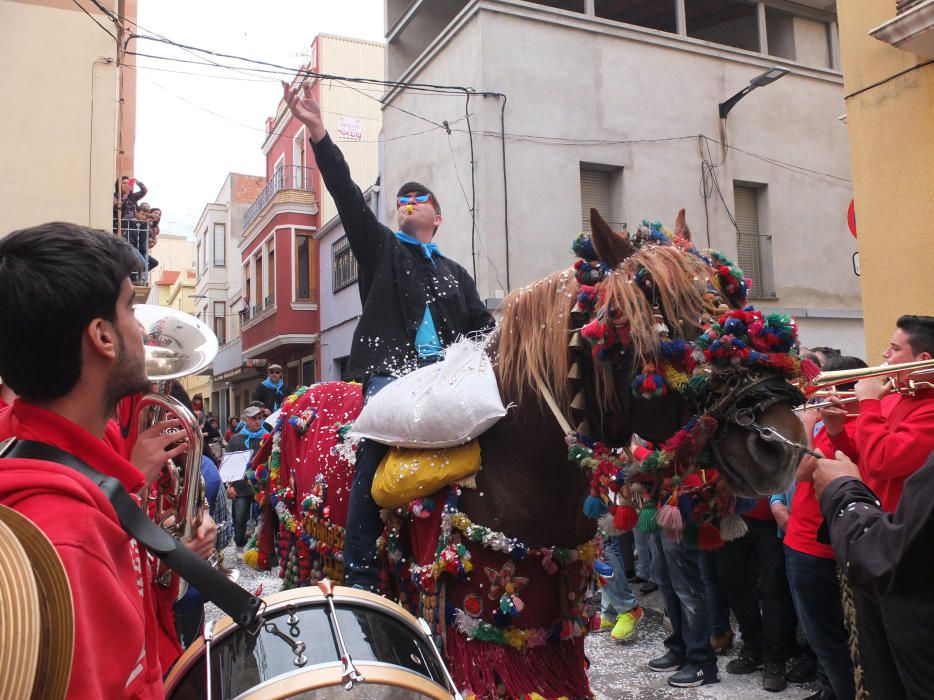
(248, 437)
(415, 303)
(272, 391)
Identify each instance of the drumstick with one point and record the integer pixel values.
(349, 674)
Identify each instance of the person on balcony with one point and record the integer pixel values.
(415, 302)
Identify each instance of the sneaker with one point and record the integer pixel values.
(635, 578)
(606, 622)
(671, 661)
(746, 662)
(804, 670)
(773, 676)
(603, 569)
(722, 643)
(648, 587)
(626, 623)
(691, 676)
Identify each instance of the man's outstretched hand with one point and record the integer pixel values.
(305, 108)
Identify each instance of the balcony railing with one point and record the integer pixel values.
(136, 233)
(286, 177)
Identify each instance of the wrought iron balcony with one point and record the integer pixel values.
(286, 177)
(136, 233)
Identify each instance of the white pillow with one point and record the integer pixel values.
(448, 403)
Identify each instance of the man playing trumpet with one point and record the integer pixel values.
(895, 431)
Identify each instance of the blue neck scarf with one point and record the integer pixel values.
(428, 249)
(267, 382)
(252, 436)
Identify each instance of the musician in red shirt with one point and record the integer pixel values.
(895, 432)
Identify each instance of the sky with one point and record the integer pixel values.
(192, 130)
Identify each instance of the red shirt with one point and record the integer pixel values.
(893, 439)
(806, 517)
(761, 511)
(116, 631)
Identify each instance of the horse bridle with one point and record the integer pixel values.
(728, 409)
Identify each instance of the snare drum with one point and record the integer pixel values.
(387, 645)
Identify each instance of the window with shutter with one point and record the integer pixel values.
(748, 249)
(597, 192)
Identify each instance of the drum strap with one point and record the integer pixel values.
(213, 585)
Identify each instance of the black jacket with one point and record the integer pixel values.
(270, 397)
(883, 553)
(396, 281)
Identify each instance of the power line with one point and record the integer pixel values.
(94, 19)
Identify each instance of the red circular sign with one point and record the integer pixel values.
(851, 217)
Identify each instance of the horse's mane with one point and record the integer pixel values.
(535, 331)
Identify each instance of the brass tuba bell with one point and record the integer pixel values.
(176, 345)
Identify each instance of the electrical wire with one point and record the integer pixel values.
(94, 19)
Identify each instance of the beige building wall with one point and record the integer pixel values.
(59, 115)
(173, 252)
(353, 106)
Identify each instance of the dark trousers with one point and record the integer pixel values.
(188, 624)
(895, 650)
(677, 570)
(769, 632)
(241, 507)
(816, 595)
(718, 608)
(364, 526)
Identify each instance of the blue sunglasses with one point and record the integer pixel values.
(420, 198)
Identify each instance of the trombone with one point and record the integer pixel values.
(904, 378)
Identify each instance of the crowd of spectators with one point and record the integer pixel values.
(136, 221)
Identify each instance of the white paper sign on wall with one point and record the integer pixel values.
(350, 128)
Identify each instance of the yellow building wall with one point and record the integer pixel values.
(58, 162)
(891, 131)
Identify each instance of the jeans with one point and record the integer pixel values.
(364, 526)
(815, 591)
(616, 596)
(678, 575)
(241, 508)
(644, 560)
(717, 606)
(769, 632)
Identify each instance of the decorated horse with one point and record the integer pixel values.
(644, 334)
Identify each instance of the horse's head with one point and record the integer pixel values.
(667, 318)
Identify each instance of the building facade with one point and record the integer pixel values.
(279, 252)
(219, 295)
(584, 103)
(58, 169)
(341, 305)
(889, 82)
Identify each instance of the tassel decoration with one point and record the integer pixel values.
(669, 515)
(594, 507)
(732, 527)
(625, 518)
(647, 522)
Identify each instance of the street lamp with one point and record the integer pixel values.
(761, 80)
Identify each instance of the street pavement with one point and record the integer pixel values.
(618, 671)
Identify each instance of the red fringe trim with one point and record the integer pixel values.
(554, 670)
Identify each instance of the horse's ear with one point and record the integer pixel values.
(612, 247)
(681, 227)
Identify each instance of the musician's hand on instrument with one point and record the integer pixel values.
(155, 446)
(205, 537)
(833, 415)
(830, 469)
(305, 108)
(871, 388)
(809, 419)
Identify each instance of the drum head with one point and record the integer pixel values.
(380, 637)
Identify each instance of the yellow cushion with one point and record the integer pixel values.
(406, 474)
